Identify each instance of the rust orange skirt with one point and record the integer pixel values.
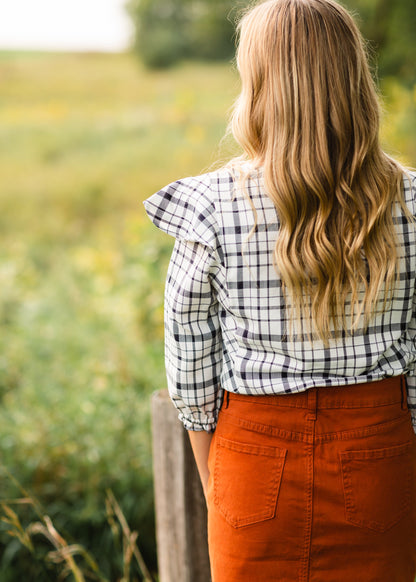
(314, 487)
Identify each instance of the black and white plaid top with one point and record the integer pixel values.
(225, 315)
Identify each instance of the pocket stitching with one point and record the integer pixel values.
(278, 455)
(350, 505)
(249, 448)
(384, 453)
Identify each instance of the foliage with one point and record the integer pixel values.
(84, 139)
(159, 39)
(399, 120)
(170, 30)
(390, 28)
(65, 559)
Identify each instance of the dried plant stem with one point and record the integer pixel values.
(130, 538)
(62, 548)
(64, 553)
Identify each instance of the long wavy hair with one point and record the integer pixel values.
(308, 114)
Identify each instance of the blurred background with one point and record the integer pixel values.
(103, 102)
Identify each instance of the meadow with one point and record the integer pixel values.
(84, 138)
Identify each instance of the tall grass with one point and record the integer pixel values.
(71, 559)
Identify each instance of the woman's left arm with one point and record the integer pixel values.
(201, 442)
(193, 338)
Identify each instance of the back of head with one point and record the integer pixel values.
(308, 113)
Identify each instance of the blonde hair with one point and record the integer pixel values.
(308, 113)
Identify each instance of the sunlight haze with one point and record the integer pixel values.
(78, 25)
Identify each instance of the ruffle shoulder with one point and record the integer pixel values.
(409, 179)
(185, 209)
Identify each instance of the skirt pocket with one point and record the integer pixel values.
(246, 481)
(377, 485)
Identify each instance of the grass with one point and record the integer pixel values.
(66, 557)
(85, 138)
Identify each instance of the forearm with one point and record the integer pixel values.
(200, 442)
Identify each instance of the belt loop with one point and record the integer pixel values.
(312, 394)
(226, 399)
(403, 382)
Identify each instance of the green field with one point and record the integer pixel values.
(83, 140)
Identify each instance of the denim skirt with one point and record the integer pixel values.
(318, 486)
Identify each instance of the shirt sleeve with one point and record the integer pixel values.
(411, 398)
(411, 377)
(193, 342)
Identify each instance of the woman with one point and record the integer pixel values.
(291, 315)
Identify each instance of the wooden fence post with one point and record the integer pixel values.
(181, 518)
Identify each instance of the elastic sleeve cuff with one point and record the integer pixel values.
(208, 424)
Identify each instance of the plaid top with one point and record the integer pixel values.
(225, 317)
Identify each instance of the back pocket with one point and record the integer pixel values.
(247, 480)
(377, 485)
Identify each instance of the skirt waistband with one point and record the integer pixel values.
(368, 394)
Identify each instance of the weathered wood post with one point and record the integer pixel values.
(181, 519)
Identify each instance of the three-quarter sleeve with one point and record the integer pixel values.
(411, 376)
(193, 343)
(411, 398)
(411, 331)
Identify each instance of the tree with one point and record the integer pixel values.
(159, 26)
(169, 30)
(390, 28)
